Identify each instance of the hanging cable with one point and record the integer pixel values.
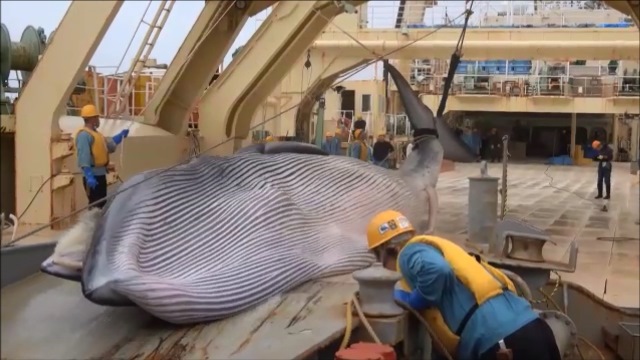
(454, 62)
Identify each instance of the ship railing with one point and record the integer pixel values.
(383, 14)
(344, 118)
(534, 85)
(491, 14)
(627, 86)
(100, 90)
(397, 125)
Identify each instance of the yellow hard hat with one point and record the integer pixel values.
(385, 226)
(88, 111)
(269, 138)
(328, 133)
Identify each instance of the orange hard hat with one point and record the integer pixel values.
(89, 111)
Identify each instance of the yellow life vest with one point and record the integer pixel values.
(99, 150)
(483, 280)
(364, 150)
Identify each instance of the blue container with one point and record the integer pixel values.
(520, 67)
(464, 65)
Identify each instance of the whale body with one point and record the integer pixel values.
(218, 235)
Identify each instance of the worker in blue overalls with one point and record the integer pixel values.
(604, 159)
(331, 144)
(471, 306)
(92, 150)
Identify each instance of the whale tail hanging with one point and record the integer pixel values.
(424, 122)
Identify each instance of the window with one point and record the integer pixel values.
(366, 102)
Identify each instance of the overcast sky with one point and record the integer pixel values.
(16, 15)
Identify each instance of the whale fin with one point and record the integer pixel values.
(424, 122)
(68, 255)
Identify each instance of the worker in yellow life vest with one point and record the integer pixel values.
(471, 306)
(359, 148)
(92, 151)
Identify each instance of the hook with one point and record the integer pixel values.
(307, 64)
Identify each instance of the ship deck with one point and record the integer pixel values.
(312, 316)
(48, 318)
(608, 258)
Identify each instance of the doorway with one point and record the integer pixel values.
(348, 103)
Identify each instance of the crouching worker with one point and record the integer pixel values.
(471, 306)
(92, 151)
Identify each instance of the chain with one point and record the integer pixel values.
(504, 210)
(503, 189)
(555, 289)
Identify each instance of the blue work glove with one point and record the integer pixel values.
(413, 299)
(120, 136)
(91, 180)
(401, 295)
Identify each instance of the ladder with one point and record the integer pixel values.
(120, 100)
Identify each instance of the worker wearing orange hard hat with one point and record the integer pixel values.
(604, 158)
(92, 150)
(471, 306)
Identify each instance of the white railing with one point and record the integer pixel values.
(535, 85)
(345, 118)
(397, 125)
(101, 94)
(383, 14)
(367, 116)
(110, 85)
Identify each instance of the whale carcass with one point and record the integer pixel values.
(213, 237)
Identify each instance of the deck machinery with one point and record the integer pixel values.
(43, 317)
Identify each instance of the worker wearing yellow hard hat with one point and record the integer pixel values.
(604, 158)
(92, 151)
(471, 306)
(331, 143)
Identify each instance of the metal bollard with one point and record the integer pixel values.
(375, 286)
(483, 207)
